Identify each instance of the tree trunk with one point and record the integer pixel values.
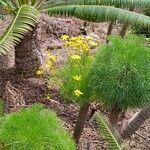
(13, 98)
(125, 26)
(28, 56)
(80, 122)
(110, 28)
(114, 119)
(83, 29)
(6, 64)
(136, 121)
(114, 116)
(123, 30)
(7, 61)
(27, 60)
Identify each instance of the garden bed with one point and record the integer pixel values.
(36, 90)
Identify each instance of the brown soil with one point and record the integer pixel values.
(35, 90)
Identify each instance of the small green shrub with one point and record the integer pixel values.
(34, 129)
(120, 75)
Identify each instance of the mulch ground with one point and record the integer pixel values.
(35, 90)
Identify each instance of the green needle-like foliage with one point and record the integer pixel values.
(34, 129)
(120, 75)
(107, 134)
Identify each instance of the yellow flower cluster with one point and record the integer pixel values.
(49, 64)
(40, 72)
(79, 43)
(51, 60)
(75, 57)
(80, 47)
(65, 37)
(78, 93)
(77, 78)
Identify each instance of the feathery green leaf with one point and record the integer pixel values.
(106, 132)
(23, 22)
(101, 13)
(117, 3)
(16, 4)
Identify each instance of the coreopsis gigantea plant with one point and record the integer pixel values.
(73, 74)
(120, 75)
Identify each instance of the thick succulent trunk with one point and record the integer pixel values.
(124, 29)
(136, 121)
(110, 28)
(6, 75)
(7, 61)
(80, 122)
(13, 98)
(6, 69)
(28, 56)
(114, 117)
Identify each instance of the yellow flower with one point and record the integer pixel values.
(78, 93)
(64, 37)
(85, 47)
(77, 38)
(47, 97)
(68, 44)
(39, 72)
(53, 58)
(49, 64)
(78, 78)
(89, 38)
(75, 57)
(94, 44)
